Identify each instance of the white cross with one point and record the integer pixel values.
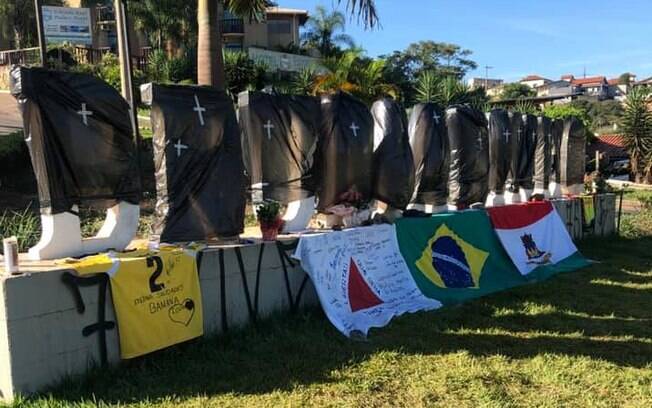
(435, 117)
(179, 146)
(268, 126)
(507, 133)
(199, 109)
(85, 114)
(520, 131)
(354, 128)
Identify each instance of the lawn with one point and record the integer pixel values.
(579, 339)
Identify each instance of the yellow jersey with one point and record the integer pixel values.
(156, 296)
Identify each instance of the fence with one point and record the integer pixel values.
(81, 55)
(25, 56)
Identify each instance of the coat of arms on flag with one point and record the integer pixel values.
(450, 262)
(532, 234)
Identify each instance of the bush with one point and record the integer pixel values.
(243, 73)
(644, 198)
(24, 225)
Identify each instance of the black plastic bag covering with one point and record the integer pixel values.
(542, 157)
(279, 140)
(518, 151)
(200, 182)
(393, 162)
(573, 152)
(80, 139)
(469, 156)
(429, 142)
(555, 150)
(345, 160)
(500, 149)
(529, 141)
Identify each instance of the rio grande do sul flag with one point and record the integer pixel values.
(360, 277)
(533, 235)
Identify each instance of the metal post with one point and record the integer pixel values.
(41, 34)
(124, 55)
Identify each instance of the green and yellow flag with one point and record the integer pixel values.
(456, 256)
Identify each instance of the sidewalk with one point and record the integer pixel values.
(10, 120)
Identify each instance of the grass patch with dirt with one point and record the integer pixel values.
(579, 339)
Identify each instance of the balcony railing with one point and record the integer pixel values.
(232, 26)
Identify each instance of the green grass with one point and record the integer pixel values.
(579, 339)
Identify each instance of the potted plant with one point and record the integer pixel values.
(269, 219)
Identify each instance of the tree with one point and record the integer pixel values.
(210, 64)
(353, 73)
(321, 33)
(403, 68)
(517, 91)
(164, 20)
(625, 79)
(447, 91)
(18, 20)
(637, 133)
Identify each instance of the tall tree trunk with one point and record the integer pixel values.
(210, 62)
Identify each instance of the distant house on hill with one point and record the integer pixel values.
(486, 83)
(534, 81)
(596, 86)
(610, 146)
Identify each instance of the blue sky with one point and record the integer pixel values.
(518, 37)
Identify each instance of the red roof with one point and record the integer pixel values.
(613, 81)
(612, 145)
(597, 80)
(532, 78)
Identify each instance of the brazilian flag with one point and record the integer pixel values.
(456, 256)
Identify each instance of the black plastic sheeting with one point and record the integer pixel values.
(279, 140)
(529, 144)
(518, 152)
(80, 138)
(393, 163)
(500, 149)
(469, 156)
(555, 150)
(345, 159)
(429, 142)
(200, 181)
(573, 152)
(542, 156)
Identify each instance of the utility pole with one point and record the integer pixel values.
(124, 55)
(486, 76)
(39, 30)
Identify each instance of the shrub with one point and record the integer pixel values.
(644, 198)
(24, 225)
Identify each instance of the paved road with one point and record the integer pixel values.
(10, 120)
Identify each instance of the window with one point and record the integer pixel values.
(279, 27)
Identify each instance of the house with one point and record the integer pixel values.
(557, 88)
(596, 86)
(617, 90)
(486, 83)
(610, 146)
(279, 30)
(534, 81)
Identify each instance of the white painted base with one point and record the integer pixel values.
(495, 200)
(61, 233)
(428, 208)
(573, 190)
(554, 189)
(512, 198)
(298, 214)
(542, 191)
(525, 195)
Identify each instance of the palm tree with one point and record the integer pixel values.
(637, 133)
(162, 20)
(321, 32)
(210, 63)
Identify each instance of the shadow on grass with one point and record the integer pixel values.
(569, 315)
